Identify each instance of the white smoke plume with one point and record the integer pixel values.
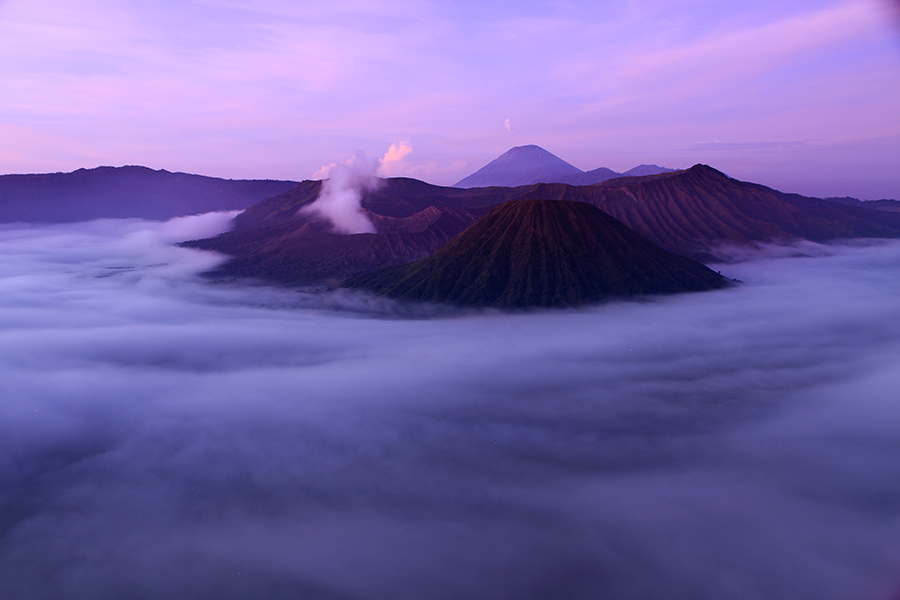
(341, 195)
(340, 200)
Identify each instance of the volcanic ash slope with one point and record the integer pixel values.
(542, 253)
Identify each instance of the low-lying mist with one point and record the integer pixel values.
(163, 436)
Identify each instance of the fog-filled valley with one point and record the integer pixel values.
(167, 436)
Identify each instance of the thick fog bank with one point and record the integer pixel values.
(166, 437)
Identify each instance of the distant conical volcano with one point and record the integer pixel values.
(522, 165)
(542, 253)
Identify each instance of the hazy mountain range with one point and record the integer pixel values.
(525, 165)
(125, 192)
(140, 192)
(888, 205)
(698, 212)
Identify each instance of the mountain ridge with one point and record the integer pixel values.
(693, 212)
(530, 164)
(130, 191)
(883, 204)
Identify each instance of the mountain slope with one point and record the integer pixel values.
(602, 174)
(526, 165)
(304, 252)
(886, 205)
(695, 213)
(521, 165)
(542, 253)
(124, 192)
(643, 170)
(587, 178)
(692, 212)
(271, 240)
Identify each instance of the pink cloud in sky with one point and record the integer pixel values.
(393, 163)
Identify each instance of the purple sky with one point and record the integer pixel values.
(796, 94)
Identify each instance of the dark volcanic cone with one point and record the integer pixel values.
(542, 253)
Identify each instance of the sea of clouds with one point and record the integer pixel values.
(167, 436)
